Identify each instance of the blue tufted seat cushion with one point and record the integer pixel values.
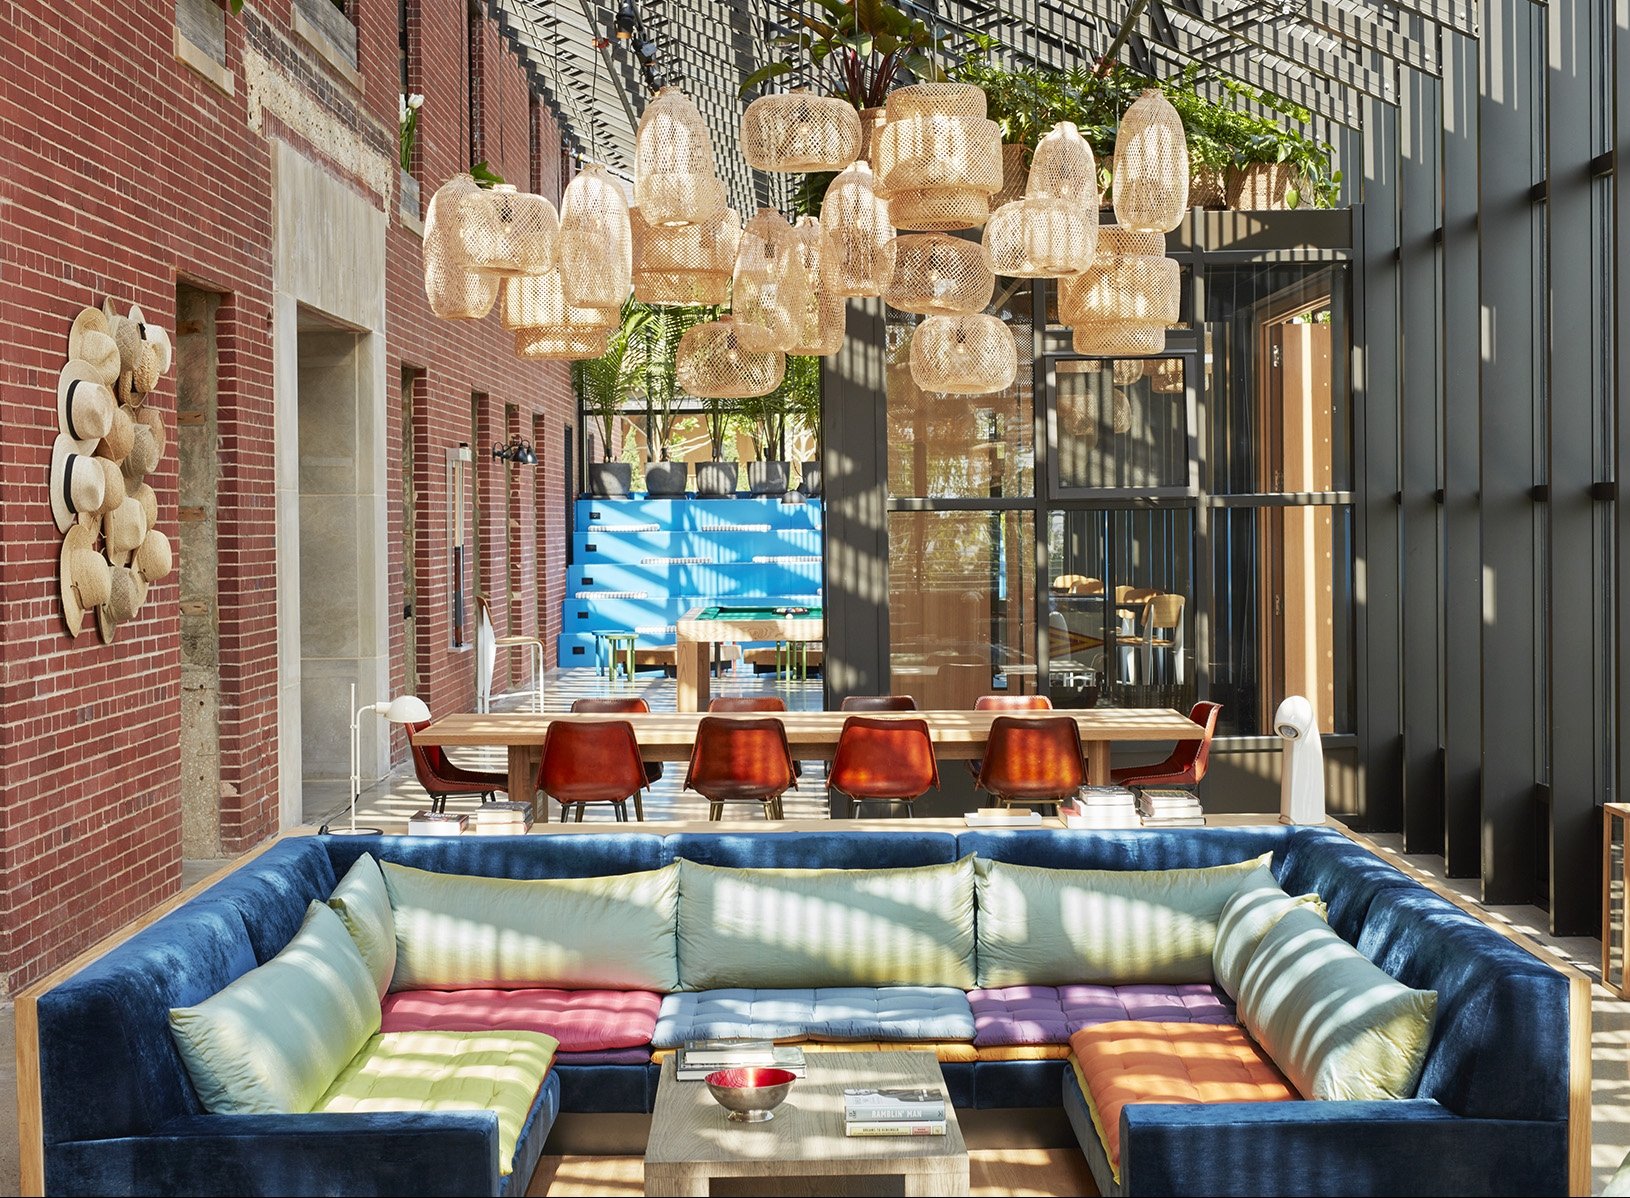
(836, 1013)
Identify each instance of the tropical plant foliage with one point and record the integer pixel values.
(858, 50)
(603, 383)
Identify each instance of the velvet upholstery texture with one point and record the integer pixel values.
(583, 1021)
(815, 850)
(273, 891)
(1011, 1015)
(519, 857)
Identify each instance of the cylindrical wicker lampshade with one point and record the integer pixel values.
(1041, 239)
(964, 355)
(1126, 372)
(535, 301)
(712, 363)
(1167, 377)
(939, 275)
(669, 289)
(685, 264)
(455, 292)
(936, 99)
(675, 178)
(1108, 338)
(1128, 280)
(771, 289)
(550, 343)
(939, 209)
(507, 232)
(1151, 188)
(595, 253)
(859, 237)
(938, 156)
(1063, 168)
(800, 131)
(820, 327)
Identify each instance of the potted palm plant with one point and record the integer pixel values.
(665, 478)
(603, 385)
(766, 420)
(803, 407)
(716, 479)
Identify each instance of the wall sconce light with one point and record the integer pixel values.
(518, 450)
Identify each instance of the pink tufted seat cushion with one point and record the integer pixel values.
(582, 1020)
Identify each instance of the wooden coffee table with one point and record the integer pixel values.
(693, 1142)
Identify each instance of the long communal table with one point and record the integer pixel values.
(812, 735)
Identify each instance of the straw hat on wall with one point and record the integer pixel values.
(116, 445)
(75, 483)
(82, 577)
(123, 530)
(84, 406)
(89, 342)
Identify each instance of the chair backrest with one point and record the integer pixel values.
(1164, 610)
(630, 706)
(740, 752)
(486, 649)
(1013, 703)
(1088, 586)
(889, 756)
(747, 703)
(1193, 756)
(604, 754)
(1065, 583)
(428, 760)
(878, 703)
(1033, 756)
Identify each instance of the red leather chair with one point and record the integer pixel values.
(747, 703)
(441, 777)
(1187, 764)
(587, 763)
(740, 761)
(1007, 703)
(883, 760)
(653, 769)
(1032, 760)
(878, 703)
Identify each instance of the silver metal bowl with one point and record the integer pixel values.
(750, 1095)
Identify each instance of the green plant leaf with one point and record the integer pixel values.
(764, 73)
(485, 176)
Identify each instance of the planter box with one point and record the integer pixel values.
(666, 480)
(610, 480)
(812, 478)
(1261, 187)
(769, 478)
(716, 479)
(407, 195)
(1208, 187)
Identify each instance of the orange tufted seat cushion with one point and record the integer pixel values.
(1121, 1063)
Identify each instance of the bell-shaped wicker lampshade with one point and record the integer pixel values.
(800, 131)
(1129, 279)
(859, 237)
(1167, 377)
(712, 363)
(675, 177)
(820, 326)
(507, 232)
(1041, 239)
(455, 292)
(685, 264)
(1109, 338)
(938, 156)
(939, 209)
(939, 275)
(1126, 372)
(560, 343)
(964, 355)
(1151, 188)
(771, 288)
(595, 253)
(1063, 168)
(535, 301)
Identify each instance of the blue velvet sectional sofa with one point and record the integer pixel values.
(1491, 1114)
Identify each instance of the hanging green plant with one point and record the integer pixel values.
(856, 50)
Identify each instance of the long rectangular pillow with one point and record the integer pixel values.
(456, 931)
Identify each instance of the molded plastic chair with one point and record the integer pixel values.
(740, 761)
(1007, 703)
(878, 703)
(1032, 760)
(1187, 764)
(883, 760)
(630, 706)
(592, 763)
(747, 703)
(1163, 630)
(441, 777)
(487, 644)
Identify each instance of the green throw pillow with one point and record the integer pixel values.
(1336, 1025)
(1050, 927)
(1256, 906)
(274, 1040)
(364, 907)
(786, 928)
(455, 931)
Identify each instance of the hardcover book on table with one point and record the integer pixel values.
(893, 1105)
(437, 823)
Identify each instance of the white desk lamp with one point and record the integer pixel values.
(1301, 772)
(404, 709)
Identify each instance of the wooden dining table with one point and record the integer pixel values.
(812, 735)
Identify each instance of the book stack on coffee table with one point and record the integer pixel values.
(901, 1112)
(698, 1058)
(1101, 807)
(503, 818)
(1170, 809)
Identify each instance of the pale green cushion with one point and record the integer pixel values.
(1336, 1025)
(1111, 927)
(448, 1071)
(364, 907)
(1256, 906)
(455, 931)
(274, 1040)
(795, 928)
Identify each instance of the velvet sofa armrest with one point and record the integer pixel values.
(415, 1152)
(1393, 1147)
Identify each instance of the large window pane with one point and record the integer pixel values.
(1120, 423)
(961, 604)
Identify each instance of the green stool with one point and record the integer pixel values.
(618, 643)
(792, 660)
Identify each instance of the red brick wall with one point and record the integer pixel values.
(171, 183)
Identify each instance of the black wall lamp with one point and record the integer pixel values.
(519, 450)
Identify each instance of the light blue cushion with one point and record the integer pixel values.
(364, 907)
(834, 1013)
(1257, 905)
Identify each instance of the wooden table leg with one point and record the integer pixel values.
(523, 780)
(665, 1181)
(1097, 761)
(691, 675)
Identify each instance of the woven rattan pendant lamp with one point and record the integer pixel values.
(1129, 280)
(685, 264)
(964, 355)
(1063, 168)
(595, 253)
(1167, 377)
(859, 237)
(561, 343)
(539, 301)
(675, 176)
(455, 292)
(1126, 372)
(800, 131)
(507, 232)
(771, 289)
(1076, 397)
(936, 274)
(938, 160)
(712, 363)
(1041, 238)
(820, 325)
(1151, 186)
(1111, 338)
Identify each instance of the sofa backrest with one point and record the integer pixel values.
(273, 891)
(815, 850)
(585, 855)
(1184, 848)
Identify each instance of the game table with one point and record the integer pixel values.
(701, 628)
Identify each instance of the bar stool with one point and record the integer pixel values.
(487, 644)
(740, 761)
(592, 763)
(1032, 761)
(615, 645)
(883, 760)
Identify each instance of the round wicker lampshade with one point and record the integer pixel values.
(595, 253)
(675, 178)
(800, 131)
(536, 301)
(964, 355)
(859, 237)
(1063, 168)
(551, 343)
(1167, 377)
(937, 159)
(685, 264)
(1151, 187)
(1127, 371)
(939, 275)
(1128, 280)
(455, 292)
(939, 209)
(771, 288)
(712, 363)
(1108, 338)
(1041, 239)
(821, 321)
(507, 232)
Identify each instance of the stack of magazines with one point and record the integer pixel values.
(899, 1112)
(1101, 807)
(503, 819)
(698, 1058)
(1170, 809)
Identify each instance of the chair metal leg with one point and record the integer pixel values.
(639, 806)
(621, 808)
(715, 811)
(581, 808)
